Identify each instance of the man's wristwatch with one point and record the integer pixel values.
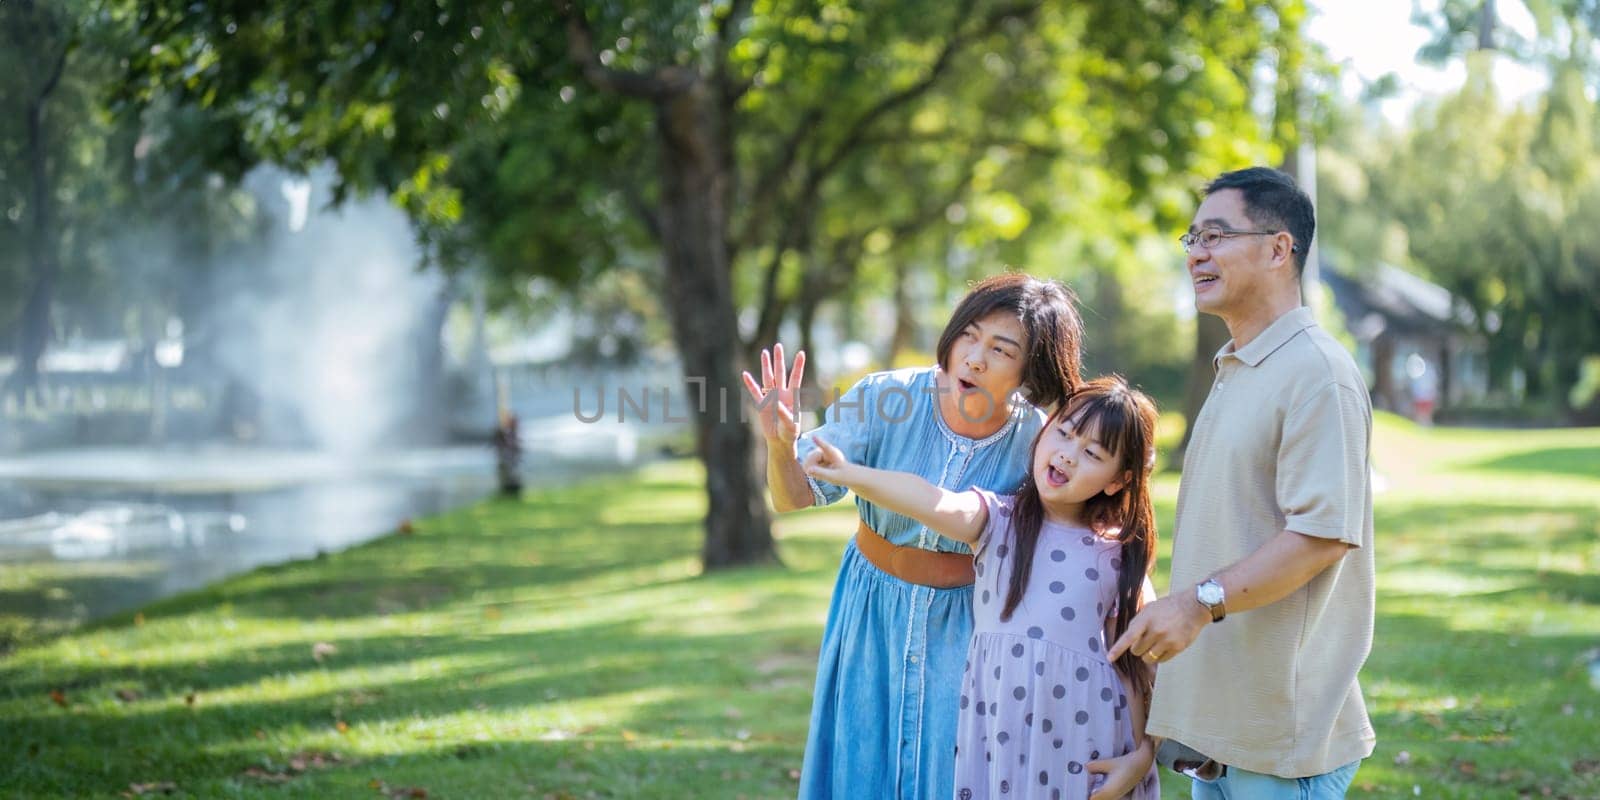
(1210, 595)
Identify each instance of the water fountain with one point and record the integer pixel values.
(322, 426)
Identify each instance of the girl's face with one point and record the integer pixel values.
(1071, 465)
(988, 356)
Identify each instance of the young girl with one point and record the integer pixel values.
(1061, 570)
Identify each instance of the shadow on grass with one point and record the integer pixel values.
(562, 625)
(1478, 540)
(1581, 462)
(1477, 713)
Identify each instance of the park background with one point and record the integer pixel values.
(289, 289)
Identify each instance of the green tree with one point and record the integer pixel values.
(41, 38)
(1492, 200)
(768, 152)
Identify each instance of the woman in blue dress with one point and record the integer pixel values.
(883, 717)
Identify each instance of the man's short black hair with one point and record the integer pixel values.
(1273, 200)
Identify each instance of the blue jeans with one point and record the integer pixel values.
(1240, 784)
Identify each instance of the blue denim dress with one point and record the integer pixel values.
(883, 717)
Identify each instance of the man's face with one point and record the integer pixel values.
(1229, 275)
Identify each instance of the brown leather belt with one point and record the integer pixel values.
(914, 564)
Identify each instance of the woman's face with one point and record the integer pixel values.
(988, 357)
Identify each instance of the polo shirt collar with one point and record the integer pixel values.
(1275, 336)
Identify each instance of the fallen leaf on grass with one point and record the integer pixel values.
(128, 695)
(397, 791)
(267, 776)
(341, 726)
(299, 763)
(141, 789)
(1586, 766)
(188, 699)
(58, 697)
(1467, 768)
(322, 650)
(311, 759)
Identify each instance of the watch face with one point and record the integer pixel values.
(1210, 593)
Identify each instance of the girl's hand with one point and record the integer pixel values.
(826, 463)
(776, 396)
(1122, 773)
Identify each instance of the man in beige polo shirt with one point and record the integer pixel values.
(1269, 615)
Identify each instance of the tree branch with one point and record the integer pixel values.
(655, 85)
(957, 137)
(953, 46)
(764, 195)
(737, 9)
(858, 130)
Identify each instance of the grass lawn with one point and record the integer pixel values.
(566, 646)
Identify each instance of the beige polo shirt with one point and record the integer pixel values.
(1281, 444)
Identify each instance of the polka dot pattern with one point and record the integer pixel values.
(1039, 693)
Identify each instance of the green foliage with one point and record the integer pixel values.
(139, 211)
(1493, 204)
(863, 134)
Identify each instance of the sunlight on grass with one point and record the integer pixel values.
(570, 645)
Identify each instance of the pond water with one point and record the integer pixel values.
(89, 532)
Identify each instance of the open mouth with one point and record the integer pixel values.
(965, 385)
(1054, 477)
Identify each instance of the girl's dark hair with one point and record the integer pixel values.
(1124, 420)
(1049, 314)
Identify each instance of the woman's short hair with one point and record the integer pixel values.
(1048, 310)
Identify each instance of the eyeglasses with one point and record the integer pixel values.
(1209, 238)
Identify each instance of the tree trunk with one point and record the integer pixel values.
(695, 187)
(1486, 21)
(34, 331)
(1209, 337)
(1111, 348)
(1446, 373)
(1385, 394)
(905, 316)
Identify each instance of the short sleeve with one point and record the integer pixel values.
(999, 507)
(847, 425)
(1322, 466)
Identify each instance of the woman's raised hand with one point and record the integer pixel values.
(777, 396)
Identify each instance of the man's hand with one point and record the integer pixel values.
(1163, 628)
(777, 396)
